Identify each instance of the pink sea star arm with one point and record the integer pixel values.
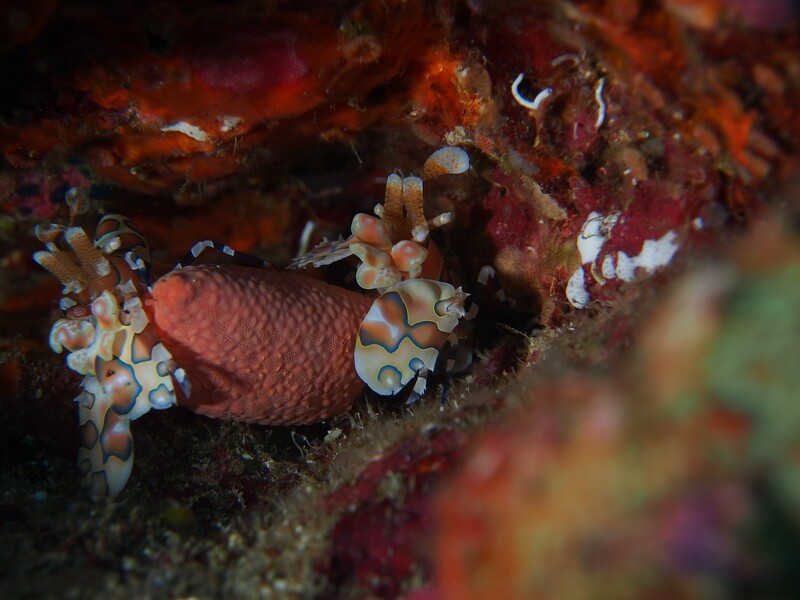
(260, 345)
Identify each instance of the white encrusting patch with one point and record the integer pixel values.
(576, 289)
(594, 233)
(625, 267)
(657, 253)
(654, 255)
(608, 269)
(193, 131)
(590, 239)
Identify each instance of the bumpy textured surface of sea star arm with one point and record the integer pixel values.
(261, 345)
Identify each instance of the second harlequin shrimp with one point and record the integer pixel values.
(416, 313)
(247, 343)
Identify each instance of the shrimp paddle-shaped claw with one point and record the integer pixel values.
(403, 332)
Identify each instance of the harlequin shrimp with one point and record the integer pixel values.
(249, 343)
(416, 313)
(127, 370)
